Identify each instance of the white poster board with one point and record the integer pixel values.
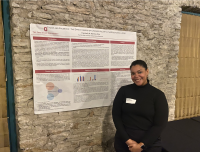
(77, 68)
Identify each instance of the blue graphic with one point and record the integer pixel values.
(50, 96)
(60, 90)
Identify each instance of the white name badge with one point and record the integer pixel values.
(131, 101)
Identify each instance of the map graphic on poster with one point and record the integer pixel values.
(77, 68)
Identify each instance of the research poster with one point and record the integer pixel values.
(77, 68)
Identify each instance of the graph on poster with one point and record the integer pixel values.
(52, 90)
(88, 78)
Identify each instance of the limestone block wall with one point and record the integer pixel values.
(157, 23)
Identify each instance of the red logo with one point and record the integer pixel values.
(45, 28)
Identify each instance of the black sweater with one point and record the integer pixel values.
(149, 113)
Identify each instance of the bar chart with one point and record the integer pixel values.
(88, 78)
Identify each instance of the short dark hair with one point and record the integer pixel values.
(141, 63)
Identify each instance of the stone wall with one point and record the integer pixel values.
(157, 23)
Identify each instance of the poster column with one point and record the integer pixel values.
(51, 70)
(90, 68)
(123, 53)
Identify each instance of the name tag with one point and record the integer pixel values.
(131, 101)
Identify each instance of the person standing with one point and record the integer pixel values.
(140, 113)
